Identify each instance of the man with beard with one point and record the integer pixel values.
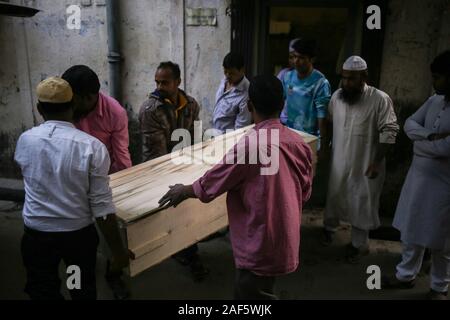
(364, 125)
(423, 211)
(169, 108)
(100, 115)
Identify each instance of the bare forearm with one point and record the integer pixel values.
(189, 191)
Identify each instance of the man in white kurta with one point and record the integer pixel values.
(364, 124)
(423, 211)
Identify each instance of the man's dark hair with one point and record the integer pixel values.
(82, 79)
(173, 67)
(54, 108)
(306, 47)
(233, 60)
(266, 94)
(441, 64)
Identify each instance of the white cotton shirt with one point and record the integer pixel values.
(357, 129)
(65, 174)
(230, 110)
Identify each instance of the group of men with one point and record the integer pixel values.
(65, 163)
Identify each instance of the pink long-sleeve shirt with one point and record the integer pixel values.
(264, 211)
(108, 122)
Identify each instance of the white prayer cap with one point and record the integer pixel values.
(355, 63)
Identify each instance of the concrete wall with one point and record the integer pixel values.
(151, 31)
(154, 30)
(205, 49)
(416, 32)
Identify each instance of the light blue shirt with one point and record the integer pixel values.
(306, 101)
(230, 111)
(65, 173)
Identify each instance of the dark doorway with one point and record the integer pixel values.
(261, 31)
(327, 26)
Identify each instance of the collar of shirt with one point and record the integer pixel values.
(59, 123)
(182, 102)
(51, 126)
(268, 123)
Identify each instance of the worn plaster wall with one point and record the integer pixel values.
(151, 31)
(206, 47)
(31, 50)
(416, 31)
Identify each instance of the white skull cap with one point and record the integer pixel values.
(355, 63)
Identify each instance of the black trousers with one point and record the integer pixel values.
(42, 253)
(249, 286)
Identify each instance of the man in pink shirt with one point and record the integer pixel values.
(104, 118)
(100, 115)
(264, 205)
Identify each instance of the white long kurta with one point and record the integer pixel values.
(357, 129)
(423, 210)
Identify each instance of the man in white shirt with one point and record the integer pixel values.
(423, 210)
(230, 111)
(65, 173)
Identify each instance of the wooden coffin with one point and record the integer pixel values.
(153, 234)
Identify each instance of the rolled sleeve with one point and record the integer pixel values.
(200, 192)
(387, 122)
(100, 195)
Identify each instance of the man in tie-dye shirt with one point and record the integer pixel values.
(307, 92)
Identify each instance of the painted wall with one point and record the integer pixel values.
(154, 30)
(151, 31)
(416, 32)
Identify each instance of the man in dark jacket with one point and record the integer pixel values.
(169, 108)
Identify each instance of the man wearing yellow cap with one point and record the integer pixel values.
(66, 181)
(364, 125)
